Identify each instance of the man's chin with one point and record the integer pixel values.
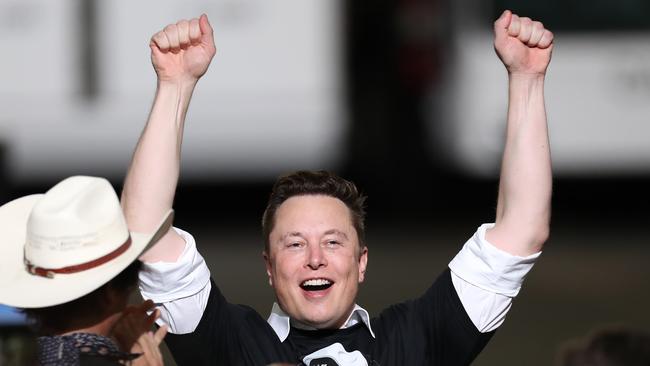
(317, 315)
(321, 321)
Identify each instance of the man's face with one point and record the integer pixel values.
(314, 262)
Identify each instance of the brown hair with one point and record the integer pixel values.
(320, 182)
(610, 346)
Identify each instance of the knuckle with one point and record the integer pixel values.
(159, 39)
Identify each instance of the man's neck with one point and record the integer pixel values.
(104, 327)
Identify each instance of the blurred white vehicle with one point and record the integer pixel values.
(270, 102)
(597, 88)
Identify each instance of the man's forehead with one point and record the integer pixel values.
(315, 207)
(312, 215)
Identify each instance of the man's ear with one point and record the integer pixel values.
(363, 263)
(269, 266)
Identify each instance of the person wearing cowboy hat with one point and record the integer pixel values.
(70, 263)
(315, 252)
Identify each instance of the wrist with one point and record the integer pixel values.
(525, 87)
(526, 82)
(182, 83)
(518, 76)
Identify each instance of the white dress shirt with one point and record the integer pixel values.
(485, 278)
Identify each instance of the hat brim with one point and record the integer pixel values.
(19, 288)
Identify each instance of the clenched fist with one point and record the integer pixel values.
(523, 45)
(183, 51)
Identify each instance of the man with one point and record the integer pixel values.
(69, 261)
(315, 252)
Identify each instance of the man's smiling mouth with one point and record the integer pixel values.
(316, 284)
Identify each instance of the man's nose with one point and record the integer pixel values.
(316, 257)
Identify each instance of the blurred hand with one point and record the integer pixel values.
(149, 346)
(183, 51)
(523, 45)
(133, 322)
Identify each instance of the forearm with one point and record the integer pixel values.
(523, 208)
(151, 181)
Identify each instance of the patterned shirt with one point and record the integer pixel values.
(69, 349)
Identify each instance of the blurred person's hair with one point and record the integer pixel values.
(608, 346)
(88, 309)
(303, 183)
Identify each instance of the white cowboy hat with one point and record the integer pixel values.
(66, 243)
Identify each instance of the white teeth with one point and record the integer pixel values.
(316, 282)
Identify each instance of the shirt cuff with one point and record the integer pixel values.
(168, 281)
(490, 268)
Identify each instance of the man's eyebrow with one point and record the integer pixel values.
(336, 232)
(298, 234)
(291, 234)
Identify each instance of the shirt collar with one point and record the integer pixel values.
(281, 322)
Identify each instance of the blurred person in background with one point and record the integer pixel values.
(70, 263)
(609, 346)
(315, 251)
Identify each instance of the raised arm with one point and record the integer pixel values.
(524, 204)
(180, 54)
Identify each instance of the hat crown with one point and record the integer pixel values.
(77, 221)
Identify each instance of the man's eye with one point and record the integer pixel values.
(332, 243)
(295, 245)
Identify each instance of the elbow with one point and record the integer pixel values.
(528, 236)
(538, 237)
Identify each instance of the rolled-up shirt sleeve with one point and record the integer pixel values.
(180, 289)
(487, 279)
